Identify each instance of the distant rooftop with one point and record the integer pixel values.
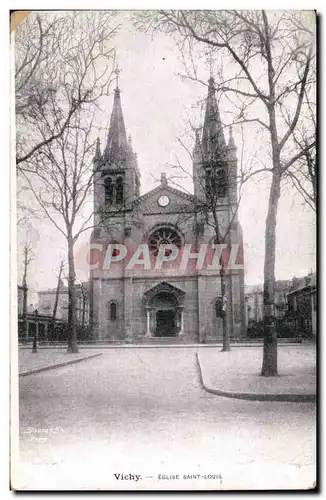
(286, 285)
(63, 288)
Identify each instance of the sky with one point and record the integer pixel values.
(157, 103)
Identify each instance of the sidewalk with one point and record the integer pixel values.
(46, 359)
(236, 374)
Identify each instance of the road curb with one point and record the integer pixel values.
(148, 346)
(251, 396)
(58, 365)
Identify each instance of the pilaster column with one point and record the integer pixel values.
(128, 308)
(148, 320)
(181, 332)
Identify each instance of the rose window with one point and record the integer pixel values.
(163, 236)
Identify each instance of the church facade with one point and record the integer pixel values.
(157, 273)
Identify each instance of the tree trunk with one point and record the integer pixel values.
(72, 306)
(84, 307)
(27, 260)
(25, 325)
(226, 333)
(269, 367)
(56, 301)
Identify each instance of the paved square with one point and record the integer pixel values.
(143, 412)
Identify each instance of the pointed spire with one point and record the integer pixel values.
(197, 151)
(214, 144)
(117, 145)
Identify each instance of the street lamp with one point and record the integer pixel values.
(36, 331)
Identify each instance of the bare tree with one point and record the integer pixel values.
(62, 185)
(28, 214)
(84, 293)
(271, 54)
(56, 300)
(58, 90)
(28, 257)
(303, 173)
(62, 64)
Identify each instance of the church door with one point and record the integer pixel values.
(165, 323)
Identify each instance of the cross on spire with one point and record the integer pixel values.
(117, 72)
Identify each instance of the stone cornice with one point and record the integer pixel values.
(165, 187)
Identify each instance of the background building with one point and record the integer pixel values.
(254, 297)
(27, 321)
(42, 313)
(295, 307)
(302, 304)
(47, 301)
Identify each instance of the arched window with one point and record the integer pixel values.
(116, 250)
(119, 191)
(216, 181)
(108, 187)
(113, 311)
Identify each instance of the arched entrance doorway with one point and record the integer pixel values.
(164, 305)
(165, 314)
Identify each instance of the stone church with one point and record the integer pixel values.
(133, 296)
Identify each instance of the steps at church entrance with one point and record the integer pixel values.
(159, 341)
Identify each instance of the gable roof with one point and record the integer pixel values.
(166, 187)
(164, 286)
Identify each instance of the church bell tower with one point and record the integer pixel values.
(214, 161)
(116, 172)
